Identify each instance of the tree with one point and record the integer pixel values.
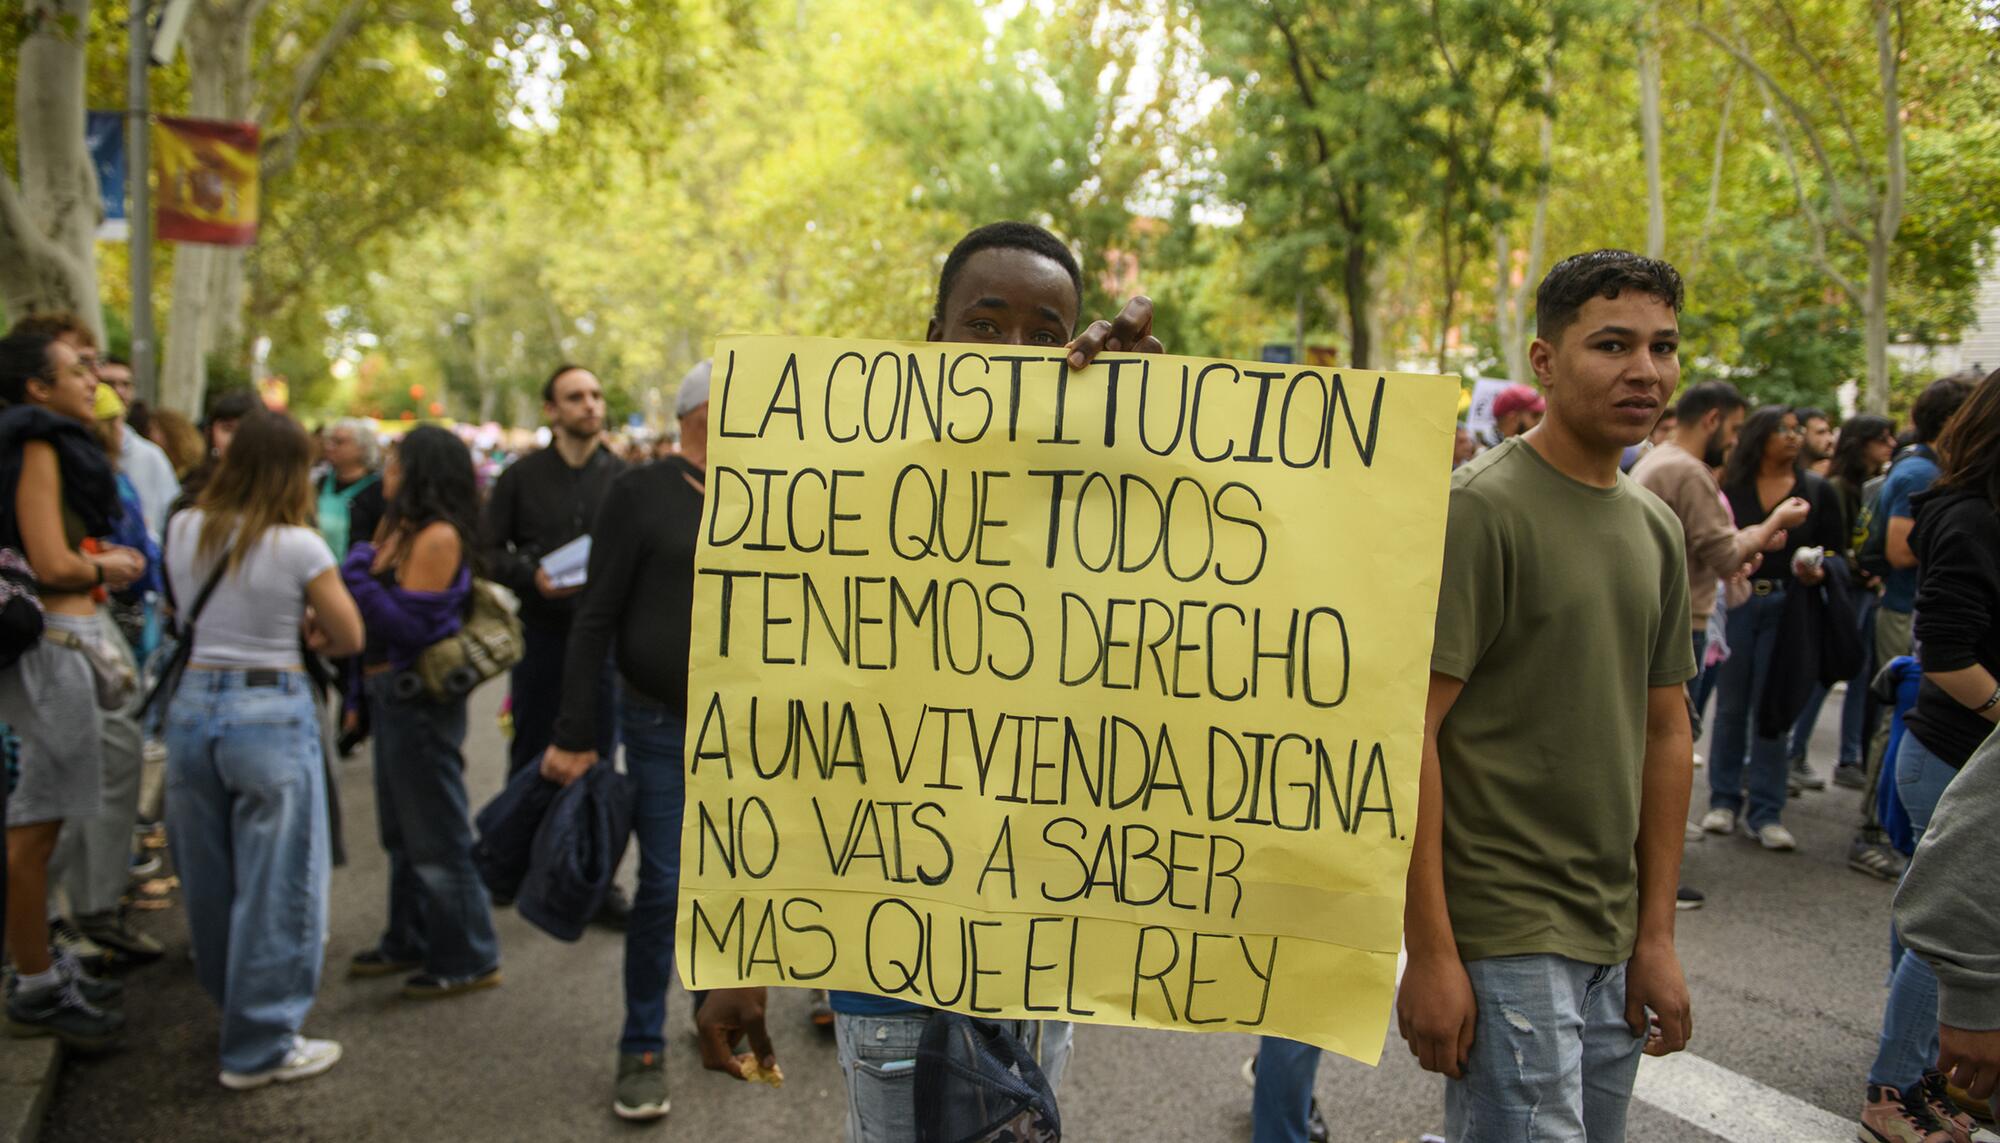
(48, 221)
(1851, 185)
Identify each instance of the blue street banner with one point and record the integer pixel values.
(104, 133)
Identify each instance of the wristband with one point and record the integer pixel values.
(100, 574)
(1992, 701)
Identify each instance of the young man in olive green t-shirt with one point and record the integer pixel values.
(1557, 752)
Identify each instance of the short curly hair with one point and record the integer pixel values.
(1600, 274)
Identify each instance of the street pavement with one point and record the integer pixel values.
(1785, 964)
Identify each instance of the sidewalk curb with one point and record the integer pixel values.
(27, 1079)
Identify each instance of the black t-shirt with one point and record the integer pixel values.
(1957, 543)
(640, 593)
(1822, 529)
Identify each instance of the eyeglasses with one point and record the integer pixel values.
(1791, 430)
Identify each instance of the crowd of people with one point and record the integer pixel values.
(1678, 543)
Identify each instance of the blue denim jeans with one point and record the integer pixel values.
(878, 1057)
(1853, 705)
(246, 819)
(1552, 1059)
(1281, 1108)
(653, 735)
(438, 911)
(1753, 640)
(1908, 1045)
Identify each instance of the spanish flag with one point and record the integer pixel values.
(207, 172)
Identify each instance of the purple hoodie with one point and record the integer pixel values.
(400, 621)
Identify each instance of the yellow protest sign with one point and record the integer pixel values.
(1038, 694)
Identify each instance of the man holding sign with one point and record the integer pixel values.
(1038, 680)
(1540, 914)
(1005, 284)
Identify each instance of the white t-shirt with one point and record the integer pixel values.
(252, 619)
(152, 477)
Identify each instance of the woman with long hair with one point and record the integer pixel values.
(1957, 542)
(413, 583)
(1763, 471)
(246, 787)
(58, 489)
(1860, 453)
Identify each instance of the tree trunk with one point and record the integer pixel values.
(1889, 217)
(1355, 286)
(48, 224)
(1649, 130)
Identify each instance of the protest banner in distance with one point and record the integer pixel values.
(1041, 694)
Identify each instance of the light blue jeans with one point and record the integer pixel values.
(246, 819)
(878, 1057)
(1552, 1059)
(1753, 642)
(1281, 1108)
(1908, 1046)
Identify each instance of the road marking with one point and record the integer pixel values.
(1731, 1106)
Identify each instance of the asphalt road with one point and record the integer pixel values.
(1785, 964)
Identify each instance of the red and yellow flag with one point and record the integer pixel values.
(207, 171)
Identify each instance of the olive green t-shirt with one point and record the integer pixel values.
(1561, 605)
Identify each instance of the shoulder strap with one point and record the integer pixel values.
(201, 598)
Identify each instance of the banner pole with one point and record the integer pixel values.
(138, 149)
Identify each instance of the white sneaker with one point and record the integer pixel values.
(1775, 836)
(1695, 832)
(307, 1059)
(1719, 821)
(1698, 759)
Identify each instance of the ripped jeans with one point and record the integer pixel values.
(1552, 1059)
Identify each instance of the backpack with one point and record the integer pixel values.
(1871, 525)
(20, 607)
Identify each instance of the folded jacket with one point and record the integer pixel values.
(507, 828)
(576, 852)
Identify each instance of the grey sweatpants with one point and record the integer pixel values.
(93, 858)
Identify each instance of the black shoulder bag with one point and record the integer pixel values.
(177, 662)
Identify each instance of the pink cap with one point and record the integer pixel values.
(1518, 398)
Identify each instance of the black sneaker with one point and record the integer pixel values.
(616, 912)
(61, 1011)
(430, 986)
(1876, 859)
(373, 962)
(127, 945)
(1687, 898)
(1850, 776)
(95, 989)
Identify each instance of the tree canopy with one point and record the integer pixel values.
(460, 195)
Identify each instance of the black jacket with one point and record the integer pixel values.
(1818, 644)
(555, 848)
(89, 484)
(1957, 542)
(539, 504)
